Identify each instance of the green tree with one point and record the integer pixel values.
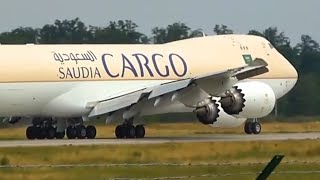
(65, 32)
(304, 98)
(19, 36)
(256, 33)
(173, 32)
(277, 38)
(309, 55)
(222, 29)
(280, 42)
(120, 32)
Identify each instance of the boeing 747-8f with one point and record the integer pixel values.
(223, 79)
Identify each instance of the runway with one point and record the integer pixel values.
(162, 140)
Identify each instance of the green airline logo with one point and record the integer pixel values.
(247, 58)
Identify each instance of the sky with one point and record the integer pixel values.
(294, 17)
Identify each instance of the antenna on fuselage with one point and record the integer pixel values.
(199, 33)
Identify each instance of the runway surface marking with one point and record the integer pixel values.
(162, 140)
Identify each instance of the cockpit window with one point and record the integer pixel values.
(271, 46)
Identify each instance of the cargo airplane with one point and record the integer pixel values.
(224, 80)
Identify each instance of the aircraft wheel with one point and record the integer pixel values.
(42, 132)
(131, 131)
(91, 132)
(81, 132)
(140, 131)
(51, 132)
(256, 128)
(71, 132)
(60, 135)
(31, 132)
(247, 128)
(120, 131)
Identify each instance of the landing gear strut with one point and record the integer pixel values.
(128, 130)
(252, 127)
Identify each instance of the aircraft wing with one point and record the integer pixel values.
(189, 91)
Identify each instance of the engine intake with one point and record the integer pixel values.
(233, 102)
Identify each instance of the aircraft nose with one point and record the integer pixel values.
(287, 67)
(292, 76)
(293, 72)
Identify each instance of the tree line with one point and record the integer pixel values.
(304, 100)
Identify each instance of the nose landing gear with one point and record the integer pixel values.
(252, 127)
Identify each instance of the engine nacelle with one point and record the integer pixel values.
(249, 100)
(212, 114)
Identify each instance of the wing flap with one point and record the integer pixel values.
(117, 103)
(169, 87)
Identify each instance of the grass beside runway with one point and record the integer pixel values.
(164, 153)
(215, 152)
(208, 172)
(182, 129)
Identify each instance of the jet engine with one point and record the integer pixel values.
(213, 115)
(249, 100)
(208, 113)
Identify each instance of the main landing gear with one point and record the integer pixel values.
(252, 127)
(128, 130)
(40, 132)
(44, 129)
(81, 132)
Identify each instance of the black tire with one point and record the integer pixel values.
(51, 132)
(42, 132)
(140, 131)
(91, 132)
(131, 132)
(247, 128)
(36, 131)
(120, 131)
(31, 132)
(71, 132)
(256, 128)
(81, 132)
(60, 135)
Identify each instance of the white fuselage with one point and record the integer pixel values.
(42, 80)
